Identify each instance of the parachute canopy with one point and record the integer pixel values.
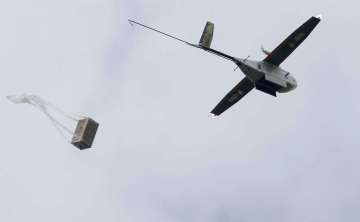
(86, 128)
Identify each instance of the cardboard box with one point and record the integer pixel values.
(85, 133)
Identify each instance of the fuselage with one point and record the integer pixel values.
(267, 77)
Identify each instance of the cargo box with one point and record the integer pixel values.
(85, 133)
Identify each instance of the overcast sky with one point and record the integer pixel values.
(158, 156)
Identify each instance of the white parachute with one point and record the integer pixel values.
(86, 128)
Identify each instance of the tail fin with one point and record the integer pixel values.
(204, 43)
(207, 35)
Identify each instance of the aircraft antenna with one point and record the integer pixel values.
(132, 22)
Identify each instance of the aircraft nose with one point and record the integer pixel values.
(294, 83)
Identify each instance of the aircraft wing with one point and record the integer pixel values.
(238, 92)
(280, 53)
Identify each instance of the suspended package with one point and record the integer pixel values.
(85, 133)
(86, 127)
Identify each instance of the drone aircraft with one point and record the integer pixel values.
(265, 75)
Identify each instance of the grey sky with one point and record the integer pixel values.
(158, 156)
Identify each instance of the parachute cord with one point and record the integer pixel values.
(43, 103)
(58, 123)
(61, 132)
(58, 126)
(70, 116)
(43, 106)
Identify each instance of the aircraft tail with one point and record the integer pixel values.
(207, 35)
(205, 40)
